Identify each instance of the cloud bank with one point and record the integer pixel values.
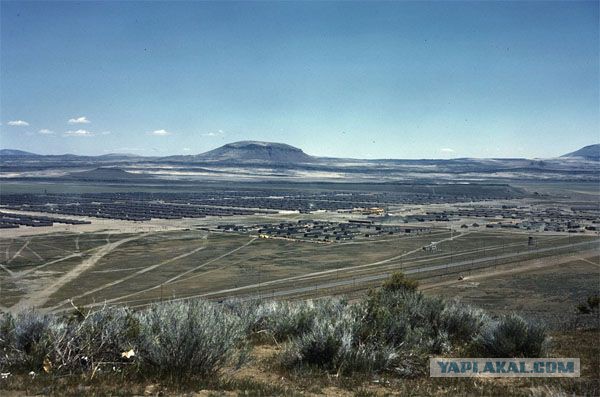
(79, 120)
(18, 123)
(160, 132)
(78, 133)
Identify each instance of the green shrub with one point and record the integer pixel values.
(34, 339)
(511, 336)
(399, 282)
(403, 318)
(583, 308)
(590, 305)
(103, 335)
(391, 328)
(7, 341)
(394, 328)
(180, 339)
(284, 320)
(397, 327)
(322, 345)
(593, 301)
(463, 323)
(331, 344)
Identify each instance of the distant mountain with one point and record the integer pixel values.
(591, 152)
(280, 154)
(251, 151)
(105, 174)
(269, 161)
(16, 153)
(118, 156)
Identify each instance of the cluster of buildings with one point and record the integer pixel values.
(573, 220)
(113, 206)
(316, 230)
(10, 220)
(143, 206)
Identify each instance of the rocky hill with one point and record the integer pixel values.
(591, 152)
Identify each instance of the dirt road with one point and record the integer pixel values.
(40, 297)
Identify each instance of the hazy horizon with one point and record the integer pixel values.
(354, 80)
(122, 152)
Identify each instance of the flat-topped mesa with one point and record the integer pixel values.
(258, 151)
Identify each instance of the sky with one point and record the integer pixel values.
(341, 79)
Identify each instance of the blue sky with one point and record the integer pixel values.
(345, 79)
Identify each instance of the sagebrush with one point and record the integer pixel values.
(395, 328)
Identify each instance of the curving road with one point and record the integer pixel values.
(40, 297)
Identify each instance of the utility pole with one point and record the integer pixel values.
(259, 272)
(451, 248)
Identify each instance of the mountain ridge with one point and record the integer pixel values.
(265, 152)
(105, 173)
(590, 152)
(17, 153)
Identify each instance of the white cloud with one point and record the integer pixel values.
(78, 133)
(79, 120)
(45, 131)
(18, 123)
(124, 150)
(160, 132)
(218, 133)
(186, 149)
(447, 150)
